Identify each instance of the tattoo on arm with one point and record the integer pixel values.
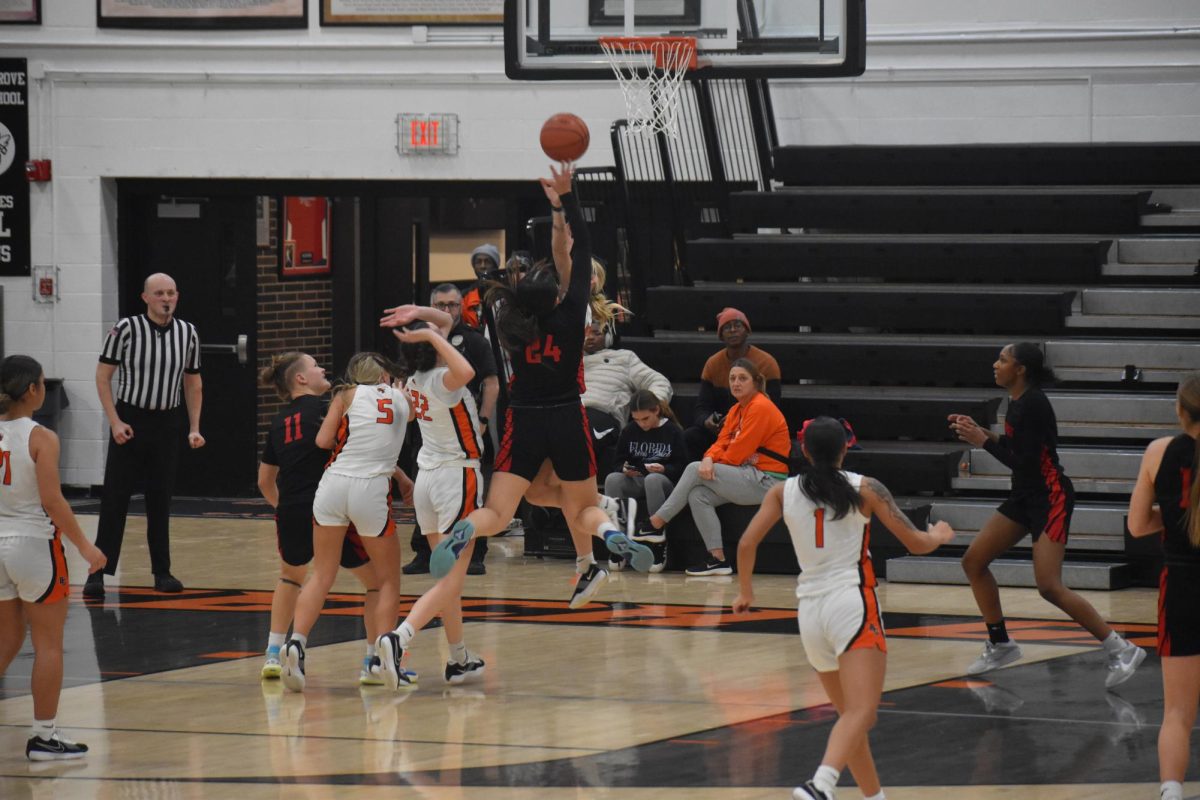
(889, 502)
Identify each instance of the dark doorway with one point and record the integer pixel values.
(207, 244)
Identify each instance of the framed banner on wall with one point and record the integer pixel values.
(304, 231)
(20, 12)
(201, 14)
(15, 241)
(412, 12)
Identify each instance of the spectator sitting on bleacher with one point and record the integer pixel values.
(749, 457)
(611, 377)
(651, 456)
(733, 328)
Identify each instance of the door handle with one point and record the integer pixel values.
(241, 349)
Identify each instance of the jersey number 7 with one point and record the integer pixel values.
(819, 514)
(6, 464)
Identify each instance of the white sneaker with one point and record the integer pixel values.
(616, 564)
(293, 666)
(622, 512)
(994, 656)
(1122, 664)
(587, 586)
(271, 667)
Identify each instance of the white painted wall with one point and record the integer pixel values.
(322, 103)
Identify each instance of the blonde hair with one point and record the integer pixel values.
(1188, 396)
(368, 368)
(281, 372)
(604, 311)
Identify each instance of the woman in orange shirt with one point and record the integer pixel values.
(748, 458)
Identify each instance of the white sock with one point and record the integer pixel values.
(604, 530)
(1113, 643)
(458, 652)
(302, 639)
(876, 796)
(406, 633)
(44, 728)
(826, 778)
(275, 640)
(1172, 790)
(583, 563)
(371, 651)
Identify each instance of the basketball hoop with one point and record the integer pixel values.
(650, 72)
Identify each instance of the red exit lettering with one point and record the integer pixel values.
(423, 133)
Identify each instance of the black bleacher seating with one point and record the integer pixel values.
(855, 306)
(943, 210)
(958, 259)
(875, 412)
(1144, 164)
(896, 359)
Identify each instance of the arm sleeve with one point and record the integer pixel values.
(579, 289)
(113, 349)
(268, 454)
(705, 404)
(756, 426)
(1032, 431)
(717, 452)
(192, 363)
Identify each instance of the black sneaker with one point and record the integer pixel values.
(56, 748)
(94, 585)
(476, 568)
(418, 566)
(587, 585)
(714, 566)
(457, 673)
(809, 791)
(167, 583)
(293, 665)
(648, 534)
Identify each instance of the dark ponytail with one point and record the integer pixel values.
(823, 482)
(1031, 357)
(418, 356)
(520, 309)
(1188, 396)
(17, 374)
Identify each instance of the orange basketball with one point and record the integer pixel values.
(565, 137)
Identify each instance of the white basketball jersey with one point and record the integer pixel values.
(831, 552)
(370, 433)
(21, 512)
(449, 421)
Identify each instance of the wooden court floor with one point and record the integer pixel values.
(655, 691)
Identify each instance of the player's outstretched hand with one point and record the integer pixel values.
(399, 316)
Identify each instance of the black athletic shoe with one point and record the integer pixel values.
(293, 666)
(390, 655)
(809, 791)
(476, 568)
(587, 585)
(418, 566)
(94, 586)
(457, 673)
(56, 748)
(714, 566)
(167, 583)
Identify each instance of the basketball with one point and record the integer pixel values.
(565, 137)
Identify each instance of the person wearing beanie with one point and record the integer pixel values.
(485, 261)
(733, 328)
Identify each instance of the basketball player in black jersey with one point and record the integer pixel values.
(1040, 503)
(545, 417)
(1165, 499)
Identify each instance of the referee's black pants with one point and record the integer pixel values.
(151, 456)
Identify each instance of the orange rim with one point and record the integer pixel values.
(661, 46)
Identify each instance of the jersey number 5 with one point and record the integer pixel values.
(534, 352)
(819, 514)
(386, 415)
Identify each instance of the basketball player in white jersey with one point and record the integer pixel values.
(449, 484)
(33, 567)
(828, 512)
(365, 430)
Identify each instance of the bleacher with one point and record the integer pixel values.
(886, 279)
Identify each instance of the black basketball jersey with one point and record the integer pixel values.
(1029, 446)
(292, 446)
(550, 371)
(1172, 487)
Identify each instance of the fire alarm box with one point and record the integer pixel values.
(45, 284)
(37, 170)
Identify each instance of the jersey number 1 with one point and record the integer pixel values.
(819, 514)
(6, 464)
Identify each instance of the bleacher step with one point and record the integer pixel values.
(1008, 572)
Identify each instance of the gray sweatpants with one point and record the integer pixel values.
(744, 486)
(653, 486)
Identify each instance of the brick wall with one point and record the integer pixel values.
(292, 315)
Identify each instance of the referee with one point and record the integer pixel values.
(157, 360)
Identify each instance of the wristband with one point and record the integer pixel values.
(556, 209)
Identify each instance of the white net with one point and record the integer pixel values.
(650, 72)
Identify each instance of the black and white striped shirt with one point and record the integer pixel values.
(152, 360)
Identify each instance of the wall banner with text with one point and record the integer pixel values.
(14, 152)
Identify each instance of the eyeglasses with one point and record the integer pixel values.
(447, 306)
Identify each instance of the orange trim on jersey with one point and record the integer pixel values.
(1164, 633)
(504, 457)
(870, 635)
(339, 442)
(866, 569)
(389, 527)
(356, 543)
(60, 583)
(464, 429)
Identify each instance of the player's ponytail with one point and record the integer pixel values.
(520, 310)
(1188, 396)
(1031, 357)
(823, 482)
(281, 372)
(418, 356)
(17, 375)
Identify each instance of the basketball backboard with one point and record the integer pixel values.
(558, 39)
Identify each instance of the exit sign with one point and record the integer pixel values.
(436, 134)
